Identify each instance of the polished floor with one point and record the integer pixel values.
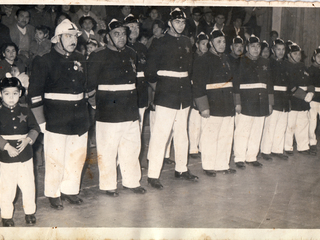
(282, 194)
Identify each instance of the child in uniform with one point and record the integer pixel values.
(18, 131)
(302, 92)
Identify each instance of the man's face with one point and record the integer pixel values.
(219, 44)
(86, 8)
(119, 37)
(134, 30)
(265, 53)
(179, 25)
(126, 10)
(279, 50)
(208, 17)
(87, 25)
(317, 57)
(237, 23)
(157, 31)
(69, 42)
(65, 8)
(295, 56)
(254, 49)
(203, 46)
(196, 17)
(23, 19)
(154, 14)
(237, 49)
(220, 19)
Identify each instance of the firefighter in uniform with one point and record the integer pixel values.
(113, 71)
(168, 66)
(57, 93)
(272, 143)
(254, 100)
(314, 71)
(141, 50)
(302, 91)
(212, 87)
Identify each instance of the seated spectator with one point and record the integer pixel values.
(60, 17)
(158, 28)
(8, 58)
(124, 11)
(41, 44)
(193, 24)
(4, 32)
(85, 11)
(207, 20)
(153, 15)
(102, 33)
(235, 30)
(273, 36)
(88, 26)
(91, 46)
(40, 15)
(22, 33)
(67, 9)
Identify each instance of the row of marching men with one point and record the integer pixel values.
(113, 81)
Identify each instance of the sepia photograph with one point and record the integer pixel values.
(164, 120)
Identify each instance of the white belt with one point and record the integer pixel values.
(165, 73)
(64, 96)
(253, 85)
(304, 88)
(280, 88)
(14, 137)
(317, 89)
(117, 87)
(219, 85)
(140, 74)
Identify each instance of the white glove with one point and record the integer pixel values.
(309, 97)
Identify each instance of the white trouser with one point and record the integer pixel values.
(168, 144)
(65, 156)
(141, 114)
(167, 119)
(118, 141)
(313, 114)
(273, 133)
(13, 175)
(298, 125)
(194, 131)
(216, 142)
(247, 137)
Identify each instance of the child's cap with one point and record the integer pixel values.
(294, 48)
(202, 36)
(216, 33)
(177, 13)
(278, 41)
(130, 19)
(237, 40)
(264, 44)
(10, 81)
(253, 39)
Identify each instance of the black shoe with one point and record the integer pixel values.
(194, 155)
(56, 203)
(186, 175)
(290, 153)
(240, 165)
(228, 171)
(210, 173)
(30, 219)
(313, 150)
(73, 199)
(266, 156)
(7, 222)
(112, 193)
(155, 183)
(305, 152)
(138, 190)
(280, 155)
(168, 161)
(255, 164)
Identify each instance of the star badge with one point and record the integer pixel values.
(187, 49)
(265, 68)
(23, 118)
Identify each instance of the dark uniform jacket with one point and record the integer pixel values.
(16, 121)
(314, 73)
(113, 69)
(170, 53)
(55, 73)
(253, 83)
(234, 64)
(212, 78)
(142, 84)
(298, 77)
(280, 84)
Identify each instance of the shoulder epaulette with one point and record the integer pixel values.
(24, 105)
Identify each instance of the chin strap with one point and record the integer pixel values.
(63, 48)
(113, 43)
(174, 28)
